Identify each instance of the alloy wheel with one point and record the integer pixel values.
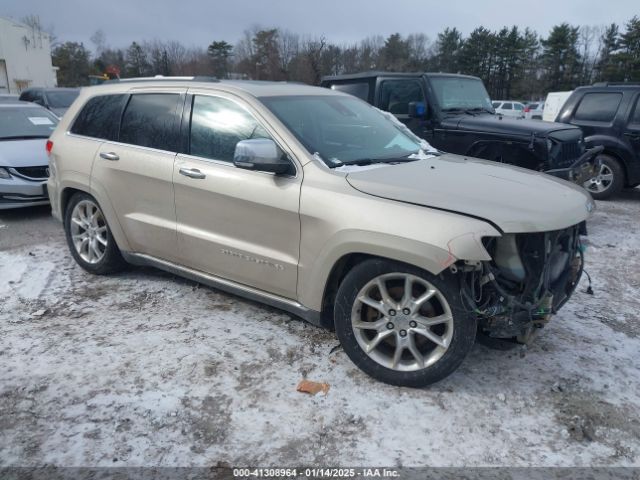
(602, 181)
(89, 231)
(402, 322)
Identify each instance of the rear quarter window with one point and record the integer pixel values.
(100, 117)
(150, 120)
(598, 107)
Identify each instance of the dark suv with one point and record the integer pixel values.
(609, 115)
(56, 100)
(454, 114)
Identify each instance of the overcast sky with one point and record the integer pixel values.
(198, 22)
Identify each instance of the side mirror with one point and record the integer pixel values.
(261, 154)
(417, 109)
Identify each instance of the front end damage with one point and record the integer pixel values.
(530, 277)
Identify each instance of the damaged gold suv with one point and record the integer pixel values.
(314, 202)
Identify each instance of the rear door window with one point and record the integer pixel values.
(507, 106)
(357, 89)
(395, 95)
(100, 117)
(150, 120)
(598, 107)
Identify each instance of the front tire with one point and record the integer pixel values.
(89, 238)
(402, 325)
(608, 181)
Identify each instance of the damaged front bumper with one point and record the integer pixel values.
(530, 277)
(582, 170)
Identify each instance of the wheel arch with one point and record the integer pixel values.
(614, 148)
(339, 270)
(112, 220)
(621, 161)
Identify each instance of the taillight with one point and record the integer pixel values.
(527, 109)
(49, 146)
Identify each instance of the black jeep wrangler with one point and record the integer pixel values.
(609, 115)
(454, 114)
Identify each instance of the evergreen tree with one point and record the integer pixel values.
(72, 60)
(220, 53)
(561, 59)
(448, 48)
(394, 55)
(267, 55)
(629, 55)
(607, 67)
(477, 54)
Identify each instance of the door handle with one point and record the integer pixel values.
(192, 173)
(109, 156)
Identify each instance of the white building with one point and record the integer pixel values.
(25, 57)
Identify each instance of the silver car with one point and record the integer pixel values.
(24, 164)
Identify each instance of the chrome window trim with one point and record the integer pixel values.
(128, 145)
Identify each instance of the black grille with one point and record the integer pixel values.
(568, 154)
(33, 172)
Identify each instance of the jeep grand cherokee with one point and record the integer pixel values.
(315, 202)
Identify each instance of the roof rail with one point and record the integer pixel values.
(615, 84)
(162, 78)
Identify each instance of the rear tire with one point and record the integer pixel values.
(89, 237)
(609, 179)
(408, 339)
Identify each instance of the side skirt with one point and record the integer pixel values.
(288, 305)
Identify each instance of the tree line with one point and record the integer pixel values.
(512, 62)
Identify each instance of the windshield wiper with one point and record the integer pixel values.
(370, 161)
(469, 111)
(482, 109)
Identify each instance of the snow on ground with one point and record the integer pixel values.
(144, 368)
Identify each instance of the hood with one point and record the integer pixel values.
(514, 199)
(23, 153)
(488, 123)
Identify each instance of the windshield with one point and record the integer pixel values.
(26, 122)
(342, 130)
(61, 98)
(456, 93)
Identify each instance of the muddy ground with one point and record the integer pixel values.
(144, 368)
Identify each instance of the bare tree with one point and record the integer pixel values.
(289, 46)
(590, 44)
(177, 54)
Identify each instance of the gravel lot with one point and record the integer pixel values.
(144, 368)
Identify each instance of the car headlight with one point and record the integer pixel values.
(4, 174)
